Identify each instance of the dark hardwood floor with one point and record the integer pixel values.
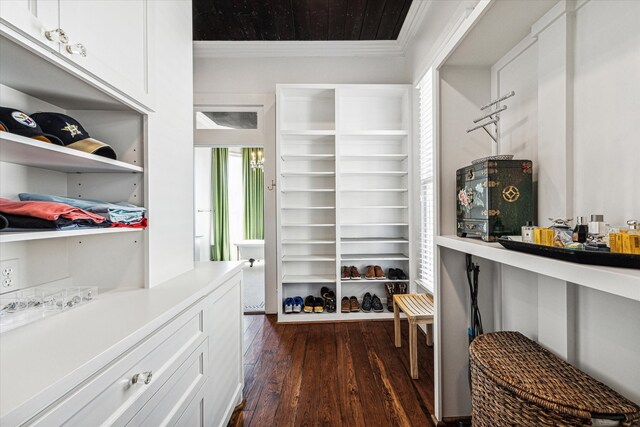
(333, 374)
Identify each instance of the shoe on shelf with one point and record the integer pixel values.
(354, 304)
(288, 305)
(379, 272)
(367, 302)
(298, 302)
(354, 273)
(376, 304)
(308, 304)
(318, 305)
(393, 274)
(345, 306)
(326, 292)
(329, 299)
(401, 288)
(401, 275)
(345, 274)
(371, 273)
(390, 289)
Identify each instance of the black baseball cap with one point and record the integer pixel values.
(72, 134)
(17, 122)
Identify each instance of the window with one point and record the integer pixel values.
(427, 198)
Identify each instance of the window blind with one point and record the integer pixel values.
(425, 267)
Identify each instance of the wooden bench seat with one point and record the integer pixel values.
(419, 310)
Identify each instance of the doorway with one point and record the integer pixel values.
(229, 214)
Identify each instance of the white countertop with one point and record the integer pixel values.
(47, 358)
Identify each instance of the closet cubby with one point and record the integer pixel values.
(343, 169)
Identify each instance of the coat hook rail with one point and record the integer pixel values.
(495, 101)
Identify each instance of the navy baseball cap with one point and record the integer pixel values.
(17, 122)
(72, 134)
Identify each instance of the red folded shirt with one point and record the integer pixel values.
(47, 210)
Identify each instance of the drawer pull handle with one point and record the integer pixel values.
(77, 48)
(145, 376)
(57, 35)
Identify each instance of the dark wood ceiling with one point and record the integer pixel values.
(298, 19)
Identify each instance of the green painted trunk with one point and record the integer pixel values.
(494, 198)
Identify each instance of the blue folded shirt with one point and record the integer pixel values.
(115, 212)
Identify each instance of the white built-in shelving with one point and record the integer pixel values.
(10, 237)
(343, 196)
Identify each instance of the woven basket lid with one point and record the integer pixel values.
(531, 372)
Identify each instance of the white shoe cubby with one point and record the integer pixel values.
(344, 172)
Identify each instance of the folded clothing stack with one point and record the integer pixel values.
(20, 216)
(122, 214)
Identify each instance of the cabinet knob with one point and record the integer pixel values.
(77, 49)
(57, 35)
(145, 376)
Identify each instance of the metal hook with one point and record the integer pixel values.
(272, 186)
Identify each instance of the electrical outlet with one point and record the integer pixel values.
(9, 271)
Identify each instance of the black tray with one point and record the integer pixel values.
(581, 257)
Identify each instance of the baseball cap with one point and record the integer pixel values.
(17, 122)
(72, 134)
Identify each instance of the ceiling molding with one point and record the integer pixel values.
(274, 49)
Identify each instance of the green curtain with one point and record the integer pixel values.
(253, 184)
(220, 248)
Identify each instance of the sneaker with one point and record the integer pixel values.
(345, 306)
(288, 305)
(379, 272)
(371, 273)
(401, 288)
(329, 299)
(345, 273)
(401, 275)
(390, 289)
(376, 304)
(326, 292)
(354, 304)
(366, 303)
(298, 302)
(393, 274)
(308, 304)
(318, 305)
(354, 273)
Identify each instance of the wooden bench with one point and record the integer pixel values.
(419, 310)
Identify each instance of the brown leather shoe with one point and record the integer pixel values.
(345, 273)
(390, 288)
(345, 305)
(401, 288)
(354, 304)
(379, 272)
(354, 273)
(371, 273)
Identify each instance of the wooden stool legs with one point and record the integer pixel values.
(396, 325)
(413, 349)
(430, 334)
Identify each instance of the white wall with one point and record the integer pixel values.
(169, 162)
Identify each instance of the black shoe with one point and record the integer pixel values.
(393, 274)
(308, 304)
(318, 305)
(377, 304)
(326, 292)
(366, 303)
(401, 275)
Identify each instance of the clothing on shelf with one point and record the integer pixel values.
(47, 210)
(9, 222)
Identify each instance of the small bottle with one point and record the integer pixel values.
(527, 232)
(581, 231)
(597, 225)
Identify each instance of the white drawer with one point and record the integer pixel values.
(109, 397)
(176, 395)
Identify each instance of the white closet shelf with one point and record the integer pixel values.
(31, 152)
(624, 282)
(313, 258)
(299, 157)
(308, 225)
(7, 237)
(374, 207)
(375, 190)
(309, 207)
(373, 240)
(358, 157)
(317, 278)
(399, 132)
(376, 173)
(374, 257)
(305, 190)
(376, 224)
(307, 242)
(363, 280)
(313, 132)
(308, 174)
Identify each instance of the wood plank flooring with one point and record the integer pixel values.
(333, 374)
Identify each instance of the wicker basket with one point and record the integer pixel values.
(515, 382)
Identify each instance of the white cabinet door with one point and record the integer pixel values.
(115, 37)
(31, 18)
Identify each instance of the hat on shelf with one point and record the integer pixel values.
(16, 122)
(72, 134)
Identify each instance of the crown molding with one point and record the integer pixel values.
(279, 49)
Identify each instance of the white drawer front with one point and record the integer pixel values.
(169, 403)
(110, 398)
